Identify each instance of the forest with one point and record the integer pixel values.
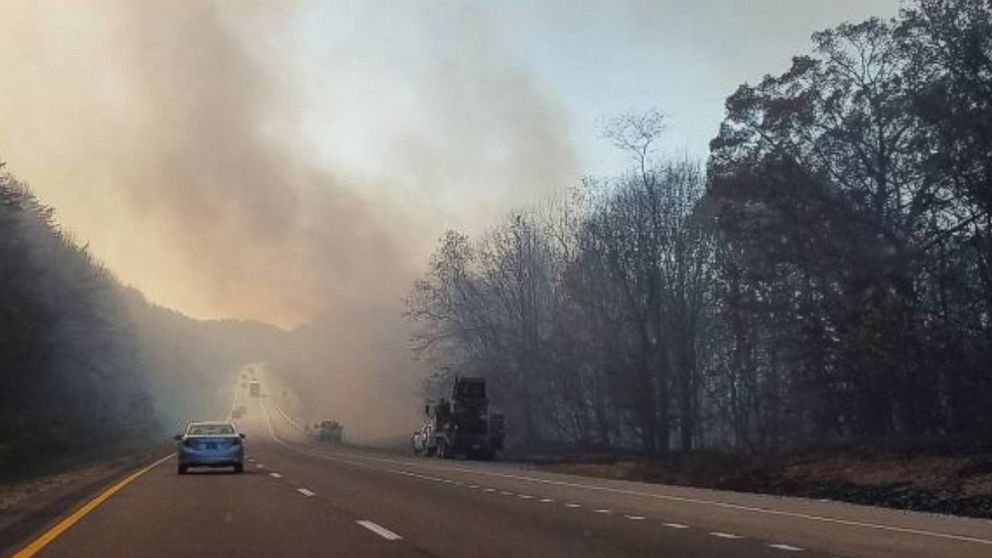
(825, 276)
(88, 367)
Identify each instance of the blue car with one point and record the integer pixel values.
(211, 444)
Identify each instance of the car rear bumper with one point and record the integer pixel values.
(211, 458)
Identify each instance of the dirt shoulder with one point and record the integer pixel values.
(28, 505)
(957, 485)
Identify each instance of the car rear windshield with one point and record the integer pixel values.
(210, 429)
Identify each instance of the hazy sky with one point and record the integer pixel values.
(284, 161)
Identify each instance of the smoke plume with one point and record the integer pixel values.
(266, 162)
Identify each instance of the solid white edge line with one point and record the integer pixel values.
(379, 530)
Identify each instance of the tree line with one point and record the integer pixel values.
(825, 276)
(87, 365)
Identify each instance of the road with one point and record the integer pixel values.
(298, 499)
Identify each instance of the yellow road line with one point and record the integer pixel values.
(53, 533)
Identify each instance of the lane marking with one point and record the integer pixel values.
(546, 500)
(415, 475)
(571, 505)
(682, 499)
(725, 535)
(379, 530)
(505, 493)
(787, 547)
(260, 466)
(635, 517)
(305, 492)
(41, 542)
(275, 475)
(292, 422)
(524, 496)
(473, 486)
(602, 510)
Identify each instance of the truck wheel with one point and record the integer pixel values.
(443, 450)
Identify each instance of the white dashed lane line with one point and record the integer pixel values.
(389, 535)
(305, 492)
(275, 475)
(379, 530)
(725, 535)
(260, 466)
(786, 547)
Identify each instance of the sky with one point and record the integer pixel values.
(288, 161)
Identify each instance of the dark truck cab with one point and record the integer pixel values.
(462, 426)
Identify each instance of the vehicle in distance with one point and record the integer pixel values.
(210, 444)
(255, 388)
(328, 431)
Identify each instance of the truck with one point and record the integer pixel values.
(461, 426)
(255, 388)
(328, 431)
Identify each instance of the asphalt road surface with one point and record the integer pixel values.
(299, 499)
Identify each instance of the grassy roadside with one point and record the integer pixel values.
(30, 502)
(919, 481)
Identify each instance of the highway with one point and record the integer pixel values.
(300, 499)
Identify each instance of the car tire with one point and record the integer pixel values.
(239, 468)
(182, 469)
